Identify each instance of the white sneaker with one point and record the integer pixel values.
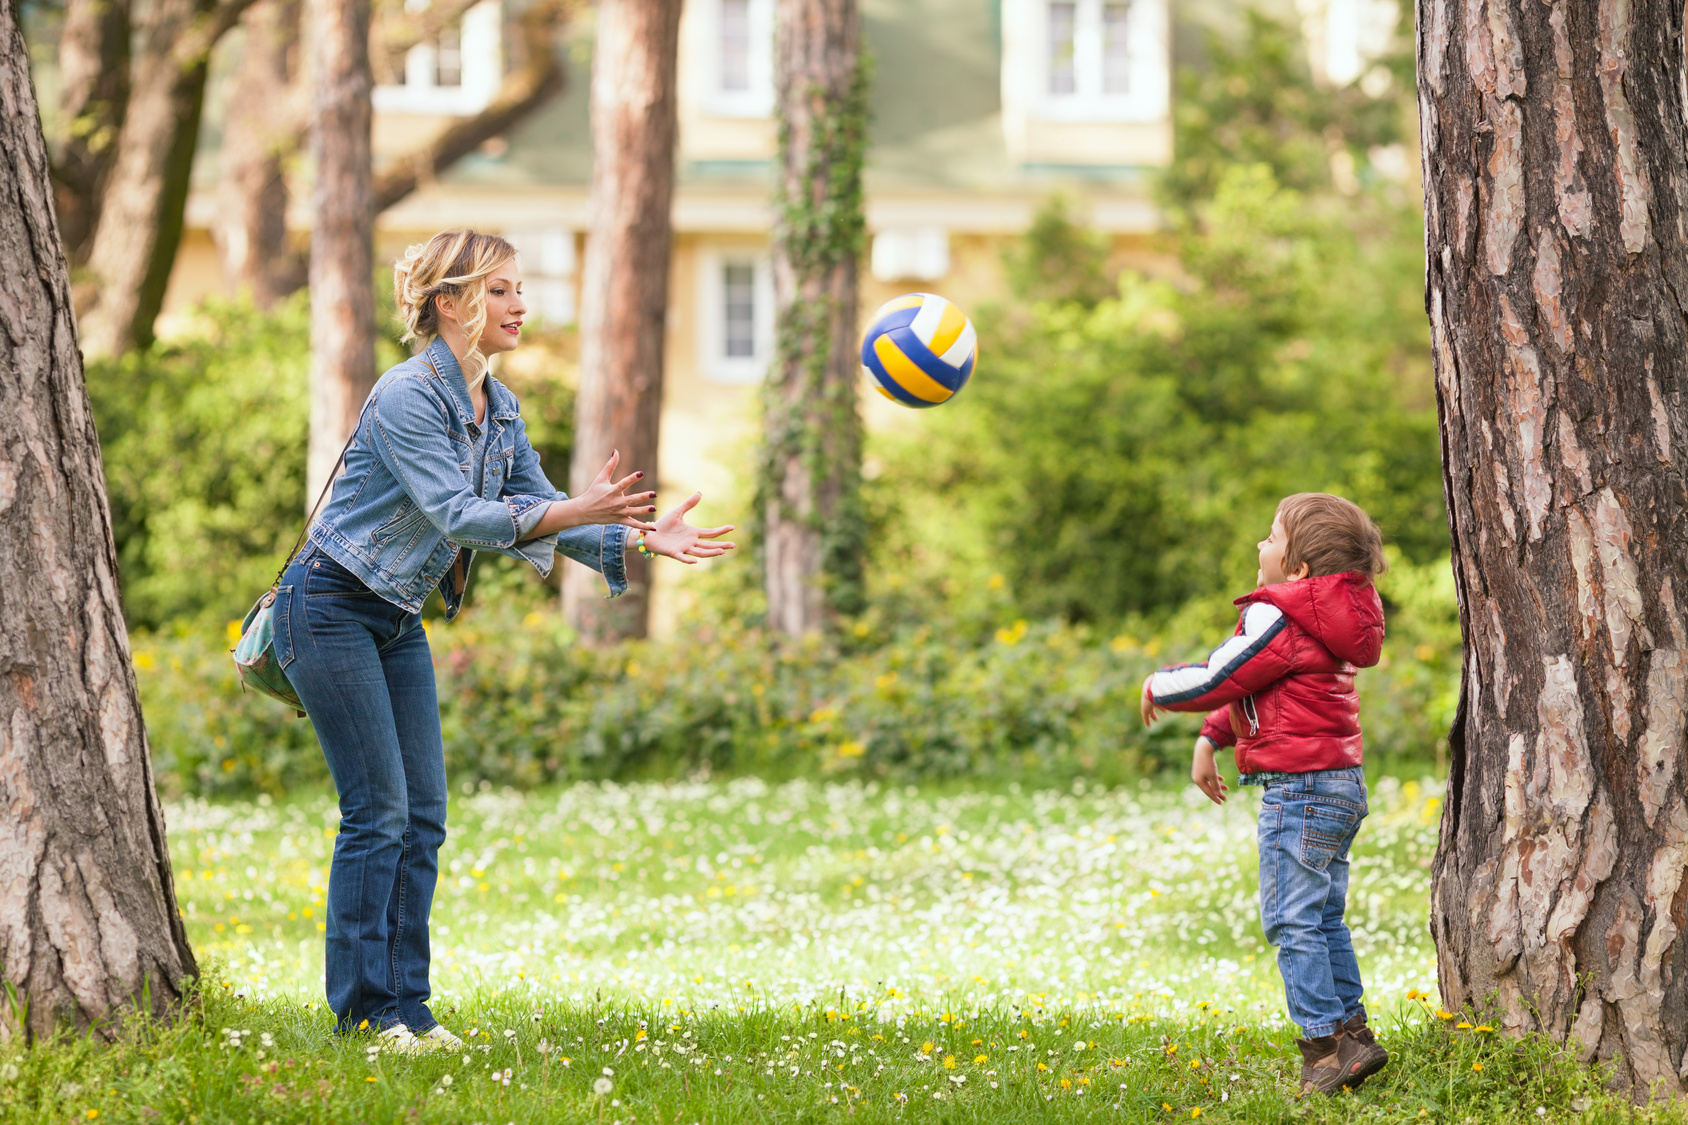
(399, 1040)
(438, 1036)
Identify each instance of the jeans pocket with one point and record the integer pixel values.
(281, 625)
(1326, 830)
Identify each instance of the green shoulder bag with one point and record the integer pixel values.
(254, 655)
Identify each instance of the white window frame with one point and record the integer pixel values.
(758, 100)
(714, 364)
(481, 43)
(548, 262)
(919, 253)
(1148, 97)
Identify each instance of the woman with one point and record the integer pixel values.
(439, 467)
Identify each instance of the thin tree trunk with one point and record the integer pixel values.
(141, 213)
(342, 233)
(93, 97)
(624, 283)
(88, 919)
(1556, 183)
(812, 533)
(261, 132)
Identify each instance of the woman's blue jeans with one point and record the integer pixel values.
(362, 669)
(1307, 822)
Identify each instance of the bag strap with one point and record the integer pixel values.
(323, 495)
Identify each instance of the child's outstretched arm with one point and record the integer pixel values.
(1239, 667)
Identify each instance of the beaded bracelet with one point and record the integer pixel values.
(643, 550)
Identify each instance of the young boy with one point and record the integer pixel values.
(1282, 691)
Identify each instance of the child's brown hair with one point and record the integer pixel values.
(1331, 535)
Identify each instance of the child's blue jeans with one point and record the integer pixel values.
(1307, 822)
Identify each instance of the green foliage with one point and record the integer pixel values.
(522, 702)
(810, 415)
(1254, 102)
(204, 448)
(1058, 260)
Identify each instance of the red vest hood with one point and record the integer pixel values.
(1340, 611)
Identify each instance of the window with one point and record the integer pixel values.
(1063, 31)
(448, 58)
(1086, 60)
(1116, 54)
(911, 254)
(455, 73)
(548, 265)
(738, 309)
(735, 315)
(740, 75)
(735, 46)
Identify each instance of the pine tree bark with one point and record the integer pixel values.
(141, 211)
(261, 132)
(1556, 186)
(624, 280)
(88, 918)
(342, 271)
(812, 525)
(93, 97)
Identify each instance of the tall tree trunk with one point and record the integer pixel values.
(812, 525)
(88, 918)
(624, 282)
(93, 97)
(141, 214)
(260, 134)
(342, 233)
(1556, 178)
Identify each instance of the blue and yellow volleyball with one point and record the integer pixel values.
(919, 350)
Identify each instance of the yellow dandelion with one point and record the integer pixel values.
(978, 1060)
(926, 1047)
(949, 1062)
(371, 1078)
(93, 1113)
(1482, 1027)
(1441, 1015)
(364, 1026)
(1463, 1026)
(1066, 1083)
(1041, 1066)
(1476, 1066)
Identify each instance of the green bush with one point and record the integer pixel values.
(522, 702)
(204, 446)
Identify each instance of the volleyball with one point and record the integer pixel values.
(919, 350)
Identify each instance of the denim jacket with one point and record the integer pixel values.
(404, 517)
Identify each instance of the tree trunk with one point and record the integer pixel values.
(342, 232)
(93, 97)
(141, 213)
(1555, 184)
(261, 132)
(624, 282)
(88, 919)
(813, 529)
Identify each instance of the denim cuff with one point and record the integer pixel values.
(602, 547)
(525, 513)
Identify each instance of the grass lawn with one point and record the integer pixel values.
(807, 952)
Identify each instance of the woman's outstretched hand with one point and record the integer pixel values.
(606, 500)
(674, 537)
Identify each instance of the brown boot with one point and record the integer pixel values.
(1321, 1065)
(1366, 1051)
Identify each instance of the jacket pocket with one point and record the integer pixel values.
(1326, 832)
(281, 624)
(407, 517)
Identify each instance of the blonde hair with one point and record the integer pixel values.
(1331, 535)
(454, 263)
